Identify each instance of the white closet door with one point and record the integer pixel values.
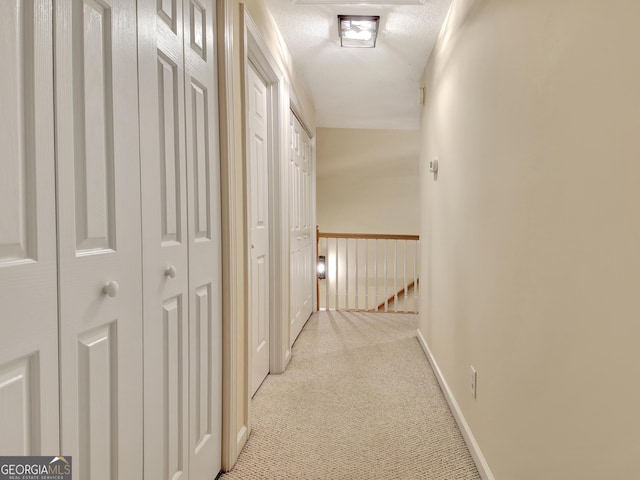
(28, 286)
(295, 214)
(203, 221)
(165, 240)
(300, 222)
(99, 237)
(258, 196)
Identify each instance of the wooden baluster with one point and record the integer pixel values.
(386, 289)
(376, 268)
(346, 274)
(404, 276)
(395, 275)
(357, 273)
(337, 275)
(326, 283)
(366, 274)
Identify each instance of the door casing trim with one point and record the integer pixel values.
(256, 52)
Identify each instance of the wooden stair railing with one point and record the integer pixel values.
(352, 274)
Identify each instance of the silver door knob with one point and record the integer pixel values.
(111, 289)
(253, 246)
(170, 272)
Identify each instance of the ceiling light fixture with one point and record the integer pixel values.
(358, 31)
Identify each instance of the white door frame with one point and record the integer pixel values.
(236, 410)
(255, 50)
(314, 216)
(234, 432)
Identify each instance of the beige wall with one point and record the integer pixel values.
(531, 231)
(368, 180)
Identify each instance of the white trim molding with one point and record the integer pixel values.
(235, 424)
(467, 434)
(242, 435)
(314, 223)
(233, 435)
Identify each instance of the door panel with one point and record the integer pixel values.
(173, 368)
(98, 182)
(260, 279)
(29, 417)
(182, 243)
(97, 402)
(258, 225)
(20, 392)
(202, 375)
(203, 207)
(94, 168)
(201, 161)
(164, 237)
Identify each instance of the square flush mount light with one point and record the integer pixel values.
(358, 31)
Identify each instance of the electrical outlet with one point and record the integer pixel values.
(474, 382)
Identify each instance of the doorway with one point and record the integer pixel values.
(265, 91)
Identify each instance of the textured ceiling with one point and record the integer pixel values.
(361, 87)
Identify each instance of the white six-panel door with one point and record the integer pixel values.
(165, 240)
(99, 237)
(181, 239)
(205, 268)
(28, 280)
(258, 185)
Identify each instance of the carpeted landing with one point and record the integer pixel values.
(358, 401)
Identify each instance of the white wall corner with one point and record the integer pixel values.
(467, 434)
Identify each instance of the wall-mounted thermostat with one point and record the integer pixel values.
(433, 165)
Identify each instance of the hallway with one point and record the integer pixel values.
(358, 401)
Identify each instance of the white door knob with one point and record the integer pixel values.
(111, 289)
(170, 271)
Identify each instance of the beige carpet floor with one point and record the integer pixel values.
(358, 401)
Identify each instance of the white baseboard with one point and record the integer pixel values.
(242, 439)
(472, 445)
